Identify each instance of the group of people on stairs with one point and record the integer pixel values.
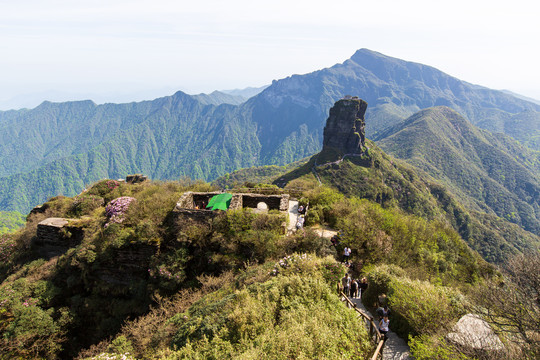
(354, 288)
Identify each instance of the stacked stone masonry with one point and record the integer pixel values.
(192, 205)
(55, 237)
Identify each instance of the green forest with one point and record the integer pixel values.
(11, 221)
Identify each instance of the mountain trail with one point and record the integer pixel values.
(395, 348)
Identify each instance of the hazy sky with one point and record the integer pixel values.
(118, 50)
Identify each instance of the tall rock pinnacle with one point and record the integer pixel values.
(345, 127)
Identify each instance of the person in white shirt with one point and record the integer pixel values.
(346, 254)
(384, 326)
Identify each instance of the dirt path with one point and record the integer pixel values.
(395, 348)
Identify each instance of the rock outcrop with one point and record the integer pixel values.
(54, 237)
(345, 128)
(473, 332)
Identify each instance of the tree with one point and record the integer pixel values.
(512, 304)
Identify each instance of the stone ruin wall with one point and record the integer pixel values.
(274, 202)
(186, 206)
(128, 264)
(54, 237)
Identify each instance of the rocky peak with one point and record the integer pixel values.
(345, 127)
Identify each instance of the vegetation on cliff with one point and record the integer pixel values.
(195, 281)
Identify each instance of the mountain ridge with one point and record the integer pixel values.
(482, 168)
(281, 124)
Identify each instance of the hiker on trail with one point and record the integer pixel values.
(354, 289)
(346, 254)
(383, 311)
(363, 286)
(300, 222)
(334, 240)
(384, 326)
(300, 209)
(346, 282)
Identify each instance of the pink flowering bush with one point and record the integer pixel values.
(333, 272)
(112, 184)
(117, 208)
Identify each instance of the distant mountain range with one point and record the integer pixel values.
(58, 148)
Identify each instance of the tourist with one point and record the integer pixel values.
(346, 254)
(354, 289)
(363, 286)
(334, 240)
(384, 326)
(380, 312)
(300, 209)
(346, 282)
(300, 222)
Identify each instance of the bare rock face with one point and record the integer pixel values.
(345, 127)
(54, 237)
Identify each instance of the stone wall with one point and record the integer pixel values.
(274, 202)
(136, 178)
(192, 205)
(54, 237)
(128, 264)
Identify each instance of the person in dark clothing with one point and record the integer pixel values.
(346, 283)
(354, 289)
(363, 286)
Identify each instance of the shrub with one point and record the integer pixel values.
(7, 248)
(117, 208)
(121, 345)
(103, 187)
(418, 307)
(85, 204)
(258, 320)
(423, 308)
(429, 348)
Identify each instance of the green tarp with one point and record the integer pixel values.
(220, 201)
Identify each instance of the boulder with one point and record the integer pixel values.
(473, 332)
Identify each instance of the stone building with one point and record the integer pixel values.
(192, 205)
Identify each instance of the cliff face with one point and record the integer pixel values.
(345, 127)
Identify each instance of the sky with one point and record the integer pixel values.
(120, 51)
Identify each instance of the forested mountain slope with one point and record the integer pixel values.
(489, 172)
